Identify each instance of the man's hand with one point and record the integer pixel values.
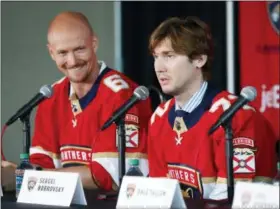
(84, 173)
(8, 179)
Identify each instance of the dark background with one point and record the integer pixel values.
(139, 19)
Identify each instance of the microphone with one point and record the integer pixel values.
(247, 94)
(46, 91)
(140, 93)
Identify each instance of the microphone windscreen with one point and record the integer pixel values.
(249, 93)
(46, 90)
(141, 92)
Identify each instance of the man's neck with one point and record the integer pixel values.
(189, 91)
(81, 89)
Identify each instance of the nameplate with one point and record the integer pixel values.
(255, 195)
(142, 192)
(51, 188)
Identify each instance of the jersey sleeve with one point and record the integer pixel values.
(157, 164)
(44, 149)
(253, 158)
(104, 165)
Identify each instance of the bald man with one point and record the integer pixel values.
(67, 134)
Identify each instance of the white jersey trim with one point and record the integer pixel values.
(36, 150)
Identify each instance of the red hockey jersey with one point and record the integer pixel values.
(179, 146)
(67, 129)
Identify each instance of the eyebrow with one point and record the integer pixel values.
(165, 52)
(61, 51)
(76, 48)
(80, 47)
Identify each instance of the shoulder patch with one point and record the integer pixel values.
(115, 82)
(243, 141)
(131, 135)
(243, 160)
(131, 118)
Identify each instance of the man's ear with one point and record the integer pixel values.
(200, 61)
(95, 43)
(51, 51)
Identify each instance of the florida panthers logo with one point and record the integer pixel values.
(31, 183)
(273, 9)
(130, 190)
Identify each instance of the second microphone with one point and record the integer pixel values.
(140, 93)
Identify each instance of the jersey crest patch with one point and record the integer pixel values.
(243, 160)
(132, 135)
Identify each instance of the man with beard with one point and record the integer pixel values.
(67, 135)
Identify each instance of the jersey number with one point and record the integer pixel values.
(225, 104)
(160, 111)
(116, 83)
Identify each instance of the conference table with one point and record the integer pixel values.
(8, 201)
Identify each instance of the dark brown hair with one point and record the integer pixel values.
(190, 36)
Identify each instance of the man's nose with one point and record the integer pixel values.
(71, 60)
(160, 69)
(160, 66)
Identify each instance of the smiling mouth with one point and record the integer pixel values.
(75, 69)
